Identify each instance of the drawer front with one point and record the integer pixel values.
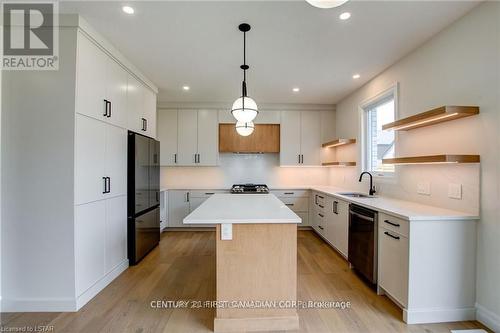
(394, 224)
(205, 193)
(296, 204)
(291, 193)
(319, 201)
(305, 219)
(321, 225)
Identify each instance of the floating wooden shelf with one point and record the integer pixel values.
(435, 116)
(338, 142)
(339, 164)
(433, 159)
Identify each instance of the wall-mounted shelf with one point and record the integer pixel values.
(433, 159)
(338, 164)
(432, 117)
(338, 142)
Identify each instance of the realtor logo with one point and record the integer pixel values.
(30, 36)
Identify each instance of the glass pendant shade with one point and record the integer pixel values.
(244, 112)
(326, 3)
(245, 129)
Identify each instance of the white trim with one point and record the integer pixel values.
(487, 318)
(394, 90)
(100, 285)
(262, 106)
(428, 316)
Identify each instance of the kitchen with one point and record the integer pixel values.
(375, 185)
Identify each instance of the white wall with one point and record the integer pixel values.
(458, 66)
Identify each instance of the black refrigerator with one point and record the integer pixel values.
(143, 196)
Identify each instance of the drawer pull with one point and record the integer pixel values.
(392, 236)
(289, 193)
(209, 193)
(321, 197)
(321, 215)
(321, 206)
(289, 204)
(392, 223)
(320, 227)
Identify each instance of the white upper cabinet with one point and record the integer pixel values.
(150, 112)
(290, 138)
(141, 102)
(91, 79)
(300, 140)
(188, 137)
(116, 94)
(167, 135)
(310, 136)
(208, 130)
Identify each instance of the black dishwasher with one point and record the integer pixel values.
(362, 253)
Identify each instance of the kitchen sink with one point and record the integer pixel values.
(356, 195)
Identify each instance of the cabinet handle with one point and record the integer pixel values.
(299, 158)
(289, 193)
(106, 102)
(143, 124)
(392, 236)
(392, 223)
(320, 227)
(175, 158)
(146, 123)
(109, 111)
(157, 196)
(209, 193)
(109, 184)
(321, 215)
(104, 179)
(289, 204)
(321, 197)
(336, 207)
(315, 199)
(321, 206)
(187, 196)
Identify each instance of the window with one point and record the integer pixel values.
(379, 144)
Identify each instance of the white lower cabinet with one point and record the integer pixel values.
(337, 229)
(393, 264)
(297, 201)
(178, 208)
(101, 240)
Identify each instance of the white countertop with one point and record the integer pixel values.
(407, 210)
(242, 208)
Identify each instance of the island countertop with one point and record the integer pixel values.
(242, 209)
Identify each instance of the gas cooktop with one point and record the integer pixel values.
(249, 188)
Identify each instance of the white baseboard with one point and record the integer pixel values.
(100, 285)
(62, 304)
(427, 316)
(487, 318)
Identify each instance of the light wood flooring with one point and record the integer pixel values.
(183, 268)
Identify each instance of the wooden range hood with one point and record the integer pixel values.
(264, 139)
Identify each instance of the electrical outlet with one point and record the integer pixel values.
(226, 231)
(424, 188)
(455, 191)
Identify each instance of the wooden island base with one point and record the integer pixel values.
(259, 264)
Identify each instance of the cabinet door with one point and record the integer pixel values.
(330, 219)
(90, 142)
(310, 137)
(116, 93)
(89, 244)
(305, 219)
(207, 137)
(116, 232)
(290, 138)
(135, 105)
(167, 135)
(116, 160)
(342, 227)
(90, 79)
(393, 264)
(187, 136)
(178, 208)
(150, 112)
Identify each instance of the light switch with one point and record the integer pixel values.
(226, 231)
(455, 191)
(424, 188)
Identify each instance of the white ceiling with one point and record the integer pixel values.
(291, 44)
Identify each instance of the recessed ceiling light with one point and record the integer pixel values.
(356, 76)
(345, 16)
(186, 88)
(296, 89)
(128, 10)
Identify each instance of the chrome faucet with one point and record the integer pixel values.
(372, 188)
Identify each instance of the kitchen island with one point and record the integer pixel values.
(256, 261)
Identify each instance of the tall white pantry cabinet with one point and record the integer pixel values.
(77, 205)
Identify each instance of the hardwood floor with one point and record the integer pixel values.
(183, 268)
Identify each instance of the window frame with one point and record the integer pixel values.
(364, 107)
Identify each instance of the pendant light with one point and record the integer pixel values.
(244, 108)
(326, 3)
(245, 129)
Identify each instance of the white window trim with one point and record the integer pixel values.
(383, 177)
